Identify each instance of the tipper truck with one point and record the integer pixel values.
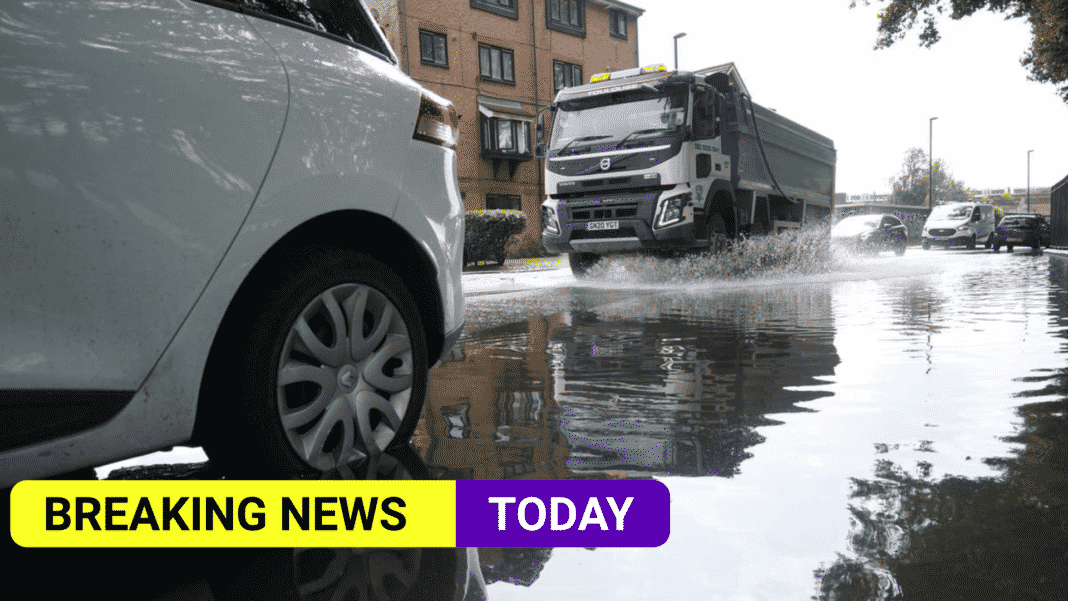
(650, 160)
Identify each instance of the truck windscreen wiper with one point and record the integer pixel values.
(581, 139)
(639, 133)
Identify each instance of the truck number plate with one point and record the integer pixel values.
(602, 225)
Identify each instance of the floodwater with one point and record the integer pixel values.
(843, 428)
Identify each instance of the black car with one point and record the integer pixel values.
(871, 233)
(1025, 229)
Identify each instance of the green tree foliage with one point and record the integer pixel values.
(910, 185)
(1046, 60)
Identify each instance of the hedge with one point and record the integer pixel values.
(486, 234)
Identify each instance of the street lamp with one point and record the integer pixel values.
(930, 160)
(1029, 180)
(676, 38)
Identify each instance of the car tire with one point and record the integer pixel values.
(582, 262)
(900, 250)
(296, 389)
(926, 245)
(970, 244)
(1008, 247)
(997, 246)
(987, 244)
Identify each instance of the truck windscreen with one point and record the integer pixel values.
(619, 117)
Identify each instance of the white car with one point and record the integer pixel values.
(232, 223)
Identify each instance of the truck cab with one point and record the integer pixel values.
(647, 160)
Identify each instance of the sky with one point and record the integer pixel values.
(814, 62)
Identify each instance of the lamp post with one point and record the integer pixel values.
(1029, 180)
(930, 160)
(676, 39)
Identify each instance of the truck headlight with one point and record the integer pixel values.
(548, 220)
(671, 210)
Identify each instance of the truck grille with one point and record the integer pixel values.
(623, 232)
(614, 212)
(941, 232)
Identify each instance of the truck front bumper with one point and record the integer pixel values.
(632, 235)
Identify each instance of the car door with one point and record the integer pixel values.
(133, 140)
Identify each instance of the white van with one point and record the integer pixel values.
(962, 223)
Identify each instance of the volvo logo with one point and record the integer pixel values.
(606, 163)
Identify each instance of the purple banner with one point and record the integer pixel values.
(562, 513)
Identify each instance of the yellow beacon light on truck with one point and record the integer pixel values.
(627, 73)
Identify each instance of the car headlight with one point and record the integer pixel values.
(962, 228)
(437, 122)
(548, 220)
(670, 210)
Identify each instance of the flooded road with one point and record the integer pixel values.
(873, 428)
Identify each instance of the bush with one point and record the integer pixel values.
(486, 234)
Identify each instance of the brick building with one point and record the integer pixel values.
(499, 61)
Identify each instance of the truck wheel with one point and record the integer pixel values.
(718, 241)
(582, 262)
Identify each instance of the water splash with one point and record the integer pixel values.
(799, 252)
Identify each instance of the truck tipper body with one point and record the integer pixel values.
(652, 160)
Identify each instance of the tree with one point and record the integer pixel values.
(910, 185)
(1046, 60)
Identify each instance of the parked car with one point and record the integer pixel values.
(871, 233)
(1026, 229)
(959, 224)
(231, 223)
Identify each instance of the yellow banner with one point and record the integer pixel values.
(234, 513)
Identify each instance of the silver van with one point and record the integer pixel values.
(959, 224)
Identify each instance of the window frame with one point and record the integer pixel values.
(515, 199)
(566, 66)
(490, 136)
(493, 6)
(490, 48)
(613, 15)
(566, 27)
(434, 35)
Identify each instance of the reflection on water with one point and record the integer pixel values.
(895, 430)
(666, 384)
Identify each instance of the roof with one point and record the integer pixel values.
(634, 10)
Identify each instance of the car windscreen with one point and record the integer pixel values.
(1017, 222)
(852, 226)
(950, 212)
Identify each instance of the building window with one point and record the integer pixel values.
(505, 8)
(496, 64)
(566, 75)
(568, 16)
(433, 48)
(508, 202)
(508, 136)
(617, 23)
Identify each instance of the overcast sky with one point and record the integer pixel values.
(813, 61)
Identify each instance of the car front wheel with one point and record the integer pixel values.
(329, 367)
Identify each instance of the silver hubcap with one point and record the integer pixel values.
(345, 376)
